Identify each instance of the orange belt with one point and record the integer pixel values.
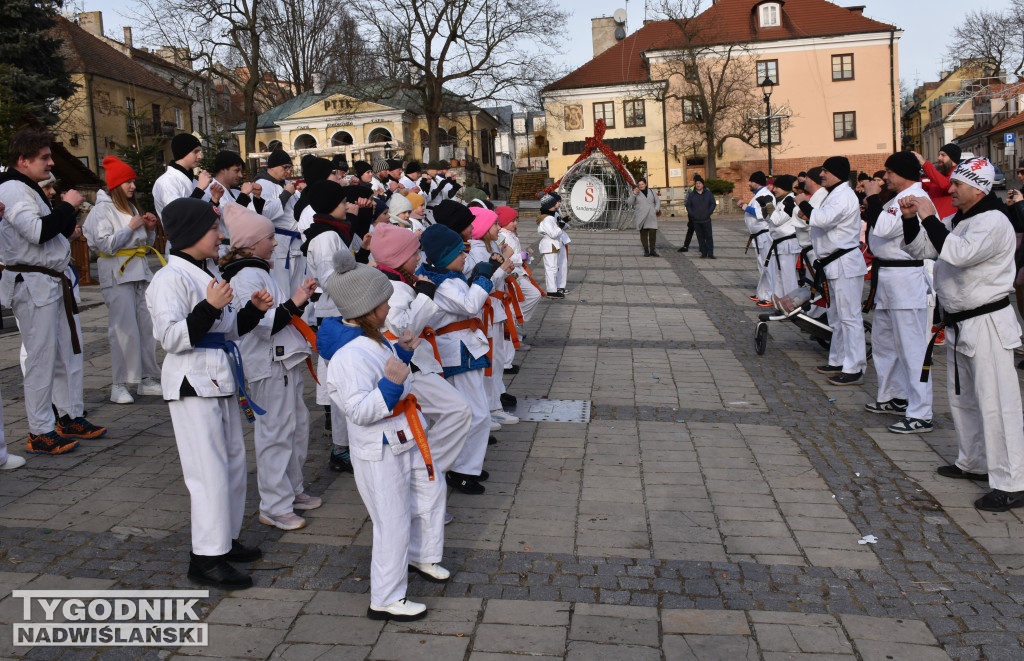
(529, 274)
(516, 292)
(409, 408)
(310, 337)
(510, 325)
(428, 334)
(475, 324)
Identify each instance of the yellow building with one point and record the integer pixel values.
(368, 122)
(95, 121)
(835, 74)
(924, 121)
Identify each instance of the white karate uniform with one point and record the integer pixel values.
(274, 366)
(531, 294)
(756, 222)
(289, 263)
(899, 330)
(129, 326)
(208, 427)
(495, 384)
(170, 186)
(551, 247)
(976, 268)
(384, 454)
(835, 225)
(781, 224)
(37, 302)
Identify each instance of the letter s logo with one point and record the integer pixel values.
(589, 197)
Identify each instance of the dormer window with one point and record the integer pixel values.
(769, 13)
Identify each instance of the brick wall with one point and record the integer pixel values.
(739, 172)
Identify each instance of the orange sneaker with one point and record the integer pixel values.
(49, 443)
(940, 339)
(78, 428)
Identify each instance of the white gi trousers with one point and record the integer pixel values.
(3, 438)
(495, 383)
(52, 373)
(448, 415)
(563, 266)
(987, 413)
(531, 297)
(130, 333)
(281, 437)
(899, 339)
(339, 426)
(208, 431)
(766, 274)
(551, 271)
(785, 276)
(847, 322)
(472, 387)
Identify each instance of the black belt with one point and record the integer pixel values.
(820, 282)
(805, 263)
(774, 250)
(751, 238)
(953, 319)
(878, 264)
(67, 293)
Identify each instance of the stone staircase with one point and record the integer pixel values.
(526, 185)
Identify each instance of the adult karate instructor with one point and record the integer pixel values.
(974, 279)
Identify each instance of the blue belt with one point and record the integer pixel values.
(220, 341)
(295, 236)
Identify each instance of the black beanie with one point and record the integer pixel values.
(183, 144)
(863, 176)
(226, 159)
(785, 182)
(412, 167)
(394, 164)
(278, 157)
(186, 220)
(905, 164)
(340, 162)
(354, 193)
(361, 168)
(453, 215)
(839, 166)
(315, 169)
(324, 196)
(759, 178)
(952, 151)
(697, 178)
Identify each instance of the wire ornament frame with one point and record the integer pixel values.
(618, 214)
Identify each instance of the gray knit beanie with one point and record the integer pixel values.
(356, 289)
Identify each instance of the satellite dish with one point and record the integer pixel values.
(620, 34)
(620, 16)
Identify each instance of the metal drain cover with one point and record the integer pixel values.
(553, 410)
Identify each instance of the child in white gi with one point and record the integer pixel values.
(552, 243)
(508, 221)
(7, 461)
(123, 235)
(368, 379)
(461, 342)
(275, 354)
(203, 383)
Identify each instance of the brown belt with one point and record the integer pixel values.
(70, 307)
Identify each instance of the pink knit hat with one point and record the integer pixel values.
(482, 220)
(245, 227)
(506, 215)
(393, 245)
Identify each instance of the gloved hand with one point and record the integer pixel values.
(486, 269)
(764, 199)
(395, 370)
(788, 205)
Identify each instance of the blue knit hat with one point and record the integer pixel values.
(441, 244)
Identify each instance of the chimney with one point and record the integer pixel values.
(603, 32)
(317, 78)
(128, 37)
(91, 22)
(856, 9)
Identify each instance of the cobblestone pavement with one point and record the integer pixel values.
(711, 508)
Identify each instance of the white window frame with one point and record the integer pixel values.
(178, 120)
(768, 15)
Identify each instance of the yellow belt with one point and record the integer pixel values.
(132, 253)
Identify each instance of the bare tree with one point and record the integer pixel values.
(991, 35)
(450, 53)
(714, 83)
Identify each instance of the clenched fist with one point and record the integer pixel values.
(219, 293)
(395, 370)
(262, 300)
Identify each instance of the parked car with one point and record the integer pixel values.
(1000, 180)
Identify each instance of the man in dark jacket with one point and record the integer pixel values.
(700, 204)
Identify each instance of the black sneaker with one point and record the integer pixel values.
(829, 369)
(508, 401)
(491, 440)
(467, 484)
(78, 428)
(555, 294)
(654, 253)
(683, 249)
(958, 473)
(647, 253)
(892, 406)
(563, 290)
(847, 379)
(483, 476)
(340, 462)
(241, 553)
(712, 257)
(1000, 501)
(214, 570)
(512, 370)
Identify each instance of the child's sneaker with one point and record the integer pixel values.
(150, 386)
(341, 461)
(78, 428)
(120, 395)
(289, 521)
(304, 501)
(49, 443)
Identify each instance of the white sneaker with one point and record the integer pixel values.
(13, 461)
(150, 386)
(503, 417)
(430, 571)
(402, 610)
(304, 501)
(289, 521)
(495, 426)
(120, 395)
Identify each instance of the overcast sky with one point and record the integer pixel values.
(927, 25)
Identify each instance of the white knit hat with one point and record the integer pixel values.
(356, 289)
(977, 172)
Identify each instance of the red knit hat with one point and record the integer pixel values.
(117, 172)
(506, 215)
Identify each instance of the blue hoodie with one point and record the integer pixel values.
(333, 334)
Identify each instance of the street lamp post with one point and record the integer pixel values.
(768, 86)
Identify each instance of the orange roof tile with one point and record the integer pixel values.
(1008, 123)
(734, 21)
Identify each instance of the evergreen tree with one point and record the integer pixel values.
(35, 72)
